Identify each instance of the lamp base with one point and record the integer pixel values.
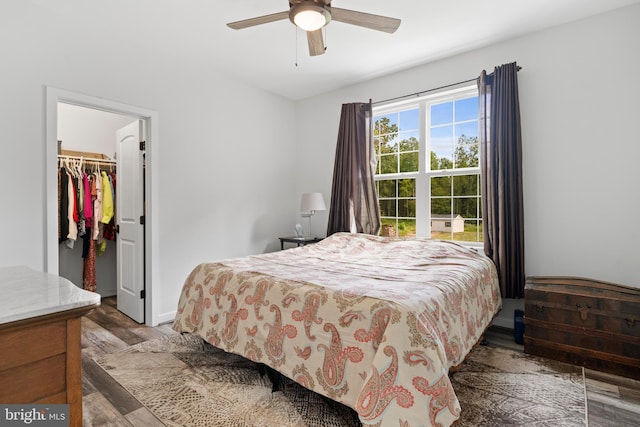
(307, 235)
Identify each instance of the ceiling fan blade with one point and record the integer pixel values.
(238, 25)
(367, 20)
(316, 42)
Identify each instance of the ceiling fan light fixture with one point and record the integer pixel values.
(309, 16)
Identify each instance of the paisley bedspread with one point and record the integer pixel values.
(372, 322)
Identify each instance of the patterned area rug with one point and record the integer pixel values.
(186, 382)
(499, 387)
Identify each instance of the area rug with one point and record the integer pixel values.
(186, 382)
(500, 387)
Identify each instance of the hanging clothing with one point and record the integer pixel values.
(88, 204)
(89, 265)
(107, 199)
(86, 210)
(63, 205)
(80, 204)
(97, 205)
(72, 214)
(89, 248)
(107, 211)
(110, 229)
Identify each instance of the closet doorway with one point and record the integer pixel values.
(106, 134)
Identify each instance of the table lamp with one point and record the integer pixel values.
(309, 204)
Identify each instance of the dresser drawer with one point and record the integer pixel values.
(21, 346)
(36, 381)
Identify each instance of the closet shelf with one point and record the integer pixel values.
(86, 154)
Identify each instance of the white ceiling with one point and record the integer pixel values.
(194, 31)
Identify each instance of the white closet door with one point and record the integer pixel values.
(129, 216)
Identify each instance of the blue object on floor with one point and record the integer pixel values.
(518, 326)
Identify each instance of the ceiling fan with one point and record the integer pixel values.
(313, 15)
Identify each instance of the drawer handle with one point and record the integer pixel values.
(583, 309)
(539, 307)
(631, 322)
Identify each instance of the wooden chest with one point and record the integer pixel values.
(583, 322)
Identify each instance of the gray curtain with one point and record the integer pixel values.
(354, 200)
(501, 176)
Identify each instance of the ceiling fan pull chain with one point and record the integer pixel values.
(296, 30)
(325, 39)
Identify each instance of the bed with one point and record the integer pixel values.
(375, 323)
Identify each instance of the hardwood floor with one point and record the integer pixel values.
(105, 402)
(612, 401)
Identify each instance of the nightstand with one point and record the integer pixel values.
(299, 241)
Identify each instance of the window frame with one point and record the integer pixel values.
(424, 174)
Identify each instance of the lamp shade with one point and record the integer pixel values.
(312, 202)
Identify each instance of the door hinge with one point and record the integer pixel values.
(141, 219)
(142, 294)
(143, 145)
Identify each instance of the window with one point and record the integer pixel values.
(428, 170)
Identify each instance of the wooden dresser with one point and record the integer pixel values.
(583, 322)
(40, 321)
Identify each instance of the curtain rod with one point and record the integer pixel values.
(431, 90)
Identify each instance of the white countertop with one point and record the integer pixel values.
(27, 293)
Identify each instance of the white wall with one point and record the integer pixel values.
(224, 187)
(579, 97)
(89, 130)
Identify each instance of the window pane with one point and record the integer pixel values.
(409, 141)
(397, 206)
(466, 153)
(468, 129)
(407, 208)
(388, 163)
(406, 227)
(409, 162)
(388, 208)
(390, 143)
(441, 206)
(472, 232)
(442, 158)
(441, 186)
(407, 188)
(466, 185)
(409, 119)
(441, 113)
(388, 227)
(385, 133)
(466, 109)
(467, 208)
(385, 124)
(441, 136)
(387, 188)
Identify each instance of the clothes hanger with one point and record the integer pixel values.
(79, 168)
